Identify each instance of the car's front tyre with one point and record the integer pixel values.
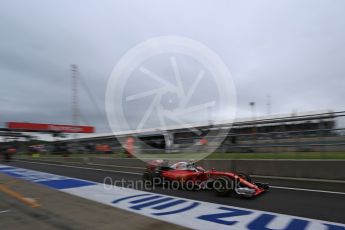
(223, 186)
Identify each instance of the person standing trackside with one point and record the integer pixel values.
(9, 153)
(2, 151)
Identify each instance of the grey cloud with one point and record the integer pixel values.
(293, 51)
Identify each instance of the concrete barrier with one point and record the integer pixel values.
(316, 169)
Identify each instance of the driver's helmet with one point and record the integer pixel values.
(183, 166)
(191, 166)
(180, 166)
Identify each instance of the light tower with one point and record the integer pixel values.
(75, 92)
(268, 104)
(252, 106)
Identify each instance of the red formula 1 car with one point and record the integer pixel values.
(187, 175)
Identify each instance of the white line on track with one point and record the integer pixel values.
(133, 173)
(79, 167)
(118, 166)
(308, 190)
(252, 175)
(4, 211)
(300, 179)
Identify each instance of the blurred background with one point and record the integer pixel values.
(286, 59)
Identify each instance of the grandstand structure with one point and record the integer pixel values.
(313, 131)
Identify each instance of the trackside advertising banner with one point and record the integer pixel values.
(185, 212)
(34, 127)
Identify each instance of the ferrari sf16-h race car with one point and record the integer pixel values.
(187, 175)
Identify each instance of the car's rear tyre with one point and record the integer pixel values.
(147, 178)
(223, 186)
(167, 184)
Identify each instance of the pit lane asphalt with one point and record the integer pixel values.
(316, 205)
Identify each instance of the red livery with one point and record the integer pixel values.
(189, 176)
(35, 127)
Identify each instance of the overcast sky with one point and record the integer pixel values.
(292, 52)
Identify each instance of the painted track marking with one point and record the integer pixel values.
(4, 211)
(189, 213)
(133, 173)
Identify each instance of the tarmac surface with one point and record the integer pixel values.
(58, 210)
(290, 199)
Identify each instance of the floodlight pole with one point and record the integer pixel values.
(252, 105)
(75, 99)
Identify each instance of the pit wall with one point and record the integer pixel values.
(316, 169)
